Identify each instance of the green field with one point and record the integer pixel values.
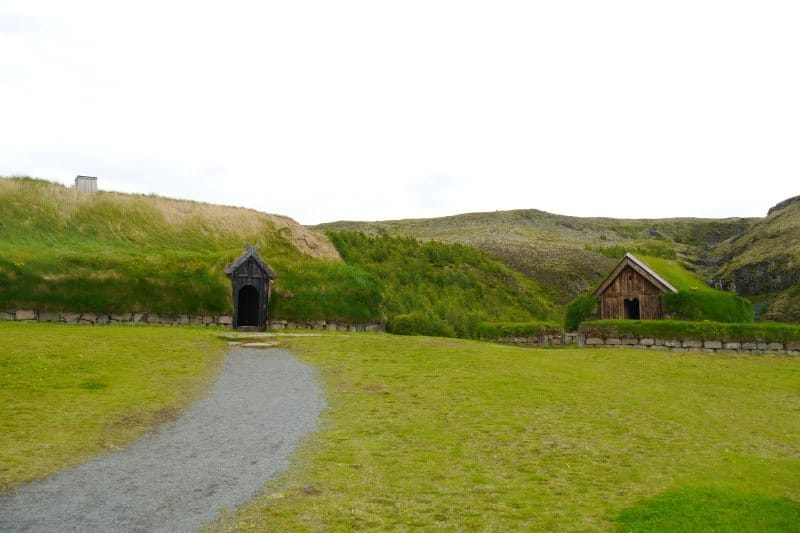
(70, 392)
(431, 433)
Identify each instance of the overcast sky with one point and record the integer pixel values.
(373, 110)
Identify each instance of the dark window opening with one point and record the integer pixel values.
(248, 306)
(632, 309)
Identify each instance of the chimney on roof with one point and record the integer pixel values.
(86, 184)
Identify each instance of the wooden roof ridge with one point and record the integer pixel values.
(251, 251)
(639, 266)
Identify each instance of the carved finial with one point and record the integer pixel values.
(249, 248)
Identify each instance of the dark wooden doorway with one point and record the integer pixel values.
(632, 309)
(248, 306)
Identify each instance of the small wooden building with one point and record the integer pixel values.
(632, 291)
(251, 282)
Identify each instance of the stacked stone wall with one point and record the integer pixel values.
(225, 321)
(649, 343)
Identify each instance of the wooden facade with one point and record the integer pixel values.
(632, 291)
(251, 285)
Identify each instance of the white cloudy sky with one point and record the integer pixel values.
(369, 110)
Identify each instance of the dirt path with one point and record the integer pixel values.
(217, 454)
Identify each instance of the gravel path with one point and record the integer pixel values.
(217, 454)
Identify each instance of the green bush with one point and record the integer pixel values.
(579, 310)
(493, 330)
(683, 330)
(418, 323)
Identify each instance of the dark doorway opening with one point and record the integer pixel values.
(248, 306)
(632, 309)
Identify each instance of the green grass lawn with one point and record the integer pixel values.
(71, 392)
(440, 433)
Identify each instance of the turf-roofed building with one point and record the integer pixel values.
(632, 291)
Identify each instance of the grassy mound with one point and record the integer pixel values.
(442, 289)
(695, 300)
(111, 252)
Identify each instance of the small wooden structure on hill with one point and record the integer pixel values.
(86, 184)
(632, 291)
(251, 281)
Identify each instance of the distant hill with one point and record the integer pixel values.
(764, 262)
(567, 255)
(113, 252)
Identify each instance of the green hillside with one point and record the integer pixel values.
(764, 262)
(568, 255)
(111, 252)
(565, 255)
(442, 289)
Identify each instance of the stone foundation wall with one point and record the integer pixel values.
(89, 319)
(677, 345)
(531, 341)
(646, 343)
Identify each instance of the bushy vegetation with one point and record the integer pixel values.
(579, 310)
(785, 307)
(493, 330)
(687, 330)
(441, 289)
(110, 252)
(421, 323)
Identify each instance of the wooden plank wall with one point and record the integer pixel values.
(630, 284)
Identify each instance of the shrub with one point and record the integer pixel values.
(579, 310)
(683, 330)
(418, 323)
